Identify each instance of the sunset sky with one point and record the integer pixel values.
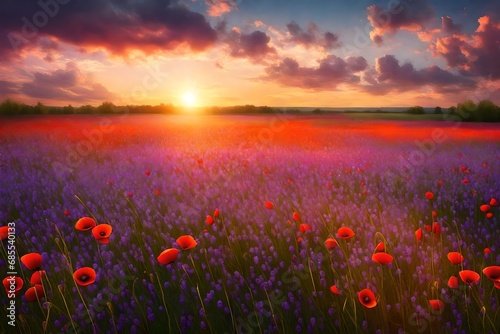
(337, 53)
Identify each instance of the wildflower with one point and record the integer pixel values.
(455, 257)
(32, 261)
(367, 298)
(269, 204)
(380, 247)
(168, 256)
(484, 208)
(436, 304)
(85, 224)
(296, 216)
(429, 195)
(345, 233)
(334, 290)
(102, 232)
(84, 276)
(186, 242)
(453, 282)
(34, 293)
(331, 243)
(382, 258)
(493, 273)
(469, 276)
(209, 220)
(304, 227)
(36, 277)
(418, 234)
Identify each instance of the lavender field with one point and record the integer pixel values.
(299, 224)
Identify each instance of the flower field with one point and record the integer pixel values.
(250, 224)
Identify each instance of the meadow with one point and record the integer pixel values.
(250, 224)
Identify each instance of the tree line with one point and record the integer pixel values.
(468, 111)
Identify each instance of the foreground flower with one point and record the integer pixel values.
(380, 247)
(493, 273)
(36, 277)
(216, 213)
(17, 282)
(102, 232)
(436, 304)
(484, 208)
(209, 220)
(453, 282)
(497, 285)
(367, 298)
(345, 233)
(84, 276)
(331, 243)
(186, 242)
(34, 293)
(304, 227)
(32, 261)
(296, 216)
(334, 290)
(429, 195)
(418, 234)
(4, 232)
(382, 258)
(493, 202)
(85, 224)
(469, 276)
(269, 204)
(487, 251)
(168, 256)
(455, 257)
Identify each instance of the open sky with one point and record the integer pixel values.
(338, 53)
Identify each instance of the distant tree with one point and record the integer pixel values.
(416, 110)
(85, 109)
(69, 109)
(40, 109)
(10, 107)
(106, 108)
(438, 110)
(316, 111)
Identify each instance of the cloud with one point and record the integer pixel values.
(389, 76)
(65, 85)
(218, 8)
(7, 88)
(448, 26)
(254, 46)
(474, 55)
(404, 15)
(117, 26)
(312, 36)
(330, 72)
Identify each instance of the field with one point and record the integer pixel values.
(317, 224)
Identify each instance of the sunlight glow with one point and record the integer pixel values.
(189, 99)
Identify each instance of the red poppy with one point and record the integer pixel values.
(497, 285)
(345, 233)
(487, 250)
(36, 277)
(489, 215)
(382, 258)
(434, 214)
(367, 298)
(299, 239)
(440, 183)
(469, 276)
(428, 228)
(147, 172)
(85, 224)
(157, 192)
(66, 212)
(168, 256)
(493, 202)
(216, 213)
(331, 243)
(465, 181)
(34, 293)
(329, 185)
(84, 276)
(209, 220)
(130, 194)
(418, 234)
(436, 304)
(304, 227)
(200, 161)
(436, 228)
(18, 283)
(493, 273)
(4, 232)
(455, 257)
(429, 195)
(296, 216)
(453, 282)
(102, 232)
(111, 182)
(334, 290)
(186, 242)
(484, 208)
(269, 204)
(32, 261)
(380, 247)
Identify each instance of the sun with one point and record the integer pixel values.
(189, 99)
